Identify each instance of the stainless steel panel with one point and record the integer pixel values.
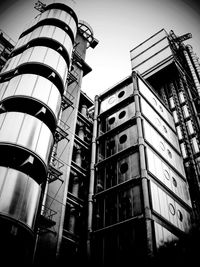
(163, 148)
(167, 176)
(19, 196)
(156, 103)
(150, 52)
(163, 235)
(148, 43)
(118, 142)
(58, 14)
(117, 97)
(160, 125)
(117, 171)
(33, 86)
(159, 58)
(27, 131)
(169, 208)
(118, 117)
(40, 54)
(48, 31)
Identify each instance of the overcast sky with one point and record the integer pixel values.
(119, 25)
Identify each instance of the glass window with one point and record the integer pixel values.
(121, 94)
(123, 168)
(111, 120)
(122, 114)
(123, 138)
(111, 100)
(185, 112)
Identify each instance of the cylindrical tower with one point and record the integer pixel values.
(31, 89)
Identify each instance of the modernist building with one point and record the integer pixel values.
(105, 182)
(146, 170)
(45, 136)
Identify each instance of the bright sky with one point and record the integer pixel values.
(119, 25)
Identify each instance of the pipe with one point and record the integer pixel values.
(92, 177)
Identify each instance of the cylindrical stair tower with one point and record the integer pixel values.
(32, 84)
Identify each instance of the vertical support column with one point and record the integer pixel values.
(143, 169)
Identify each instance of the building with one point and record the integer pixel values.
(6, 46)
(104, 182)
(146, 178)
(45, 136)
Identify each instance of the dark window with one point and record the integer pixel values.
(123, 168)
(122, 114)
(121, 94)
(123, 138)
(111, 120)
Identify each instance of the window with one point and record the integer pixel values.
(174, 181)
(180, 215)
(165, 129)
(169, 153)
(123, 168)
(166, 174)
(111, 100)
(122, 114)
(111, 120)
(121, 94)
(171, 209)
(123, 138)
(162, 146)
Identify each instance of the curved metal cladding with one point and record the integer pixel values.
(31, 86)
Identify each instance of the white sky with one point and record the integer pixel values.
(119, 25)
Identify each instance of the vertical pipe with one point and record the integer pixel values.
(92, 177)
(143, 169)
